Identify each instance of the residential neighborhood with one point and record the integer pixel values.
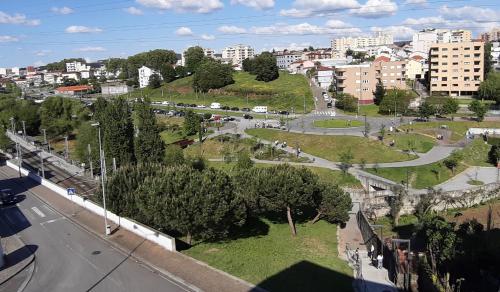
(298, 145)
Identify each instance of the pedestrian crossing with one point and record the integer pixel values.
(330, 113)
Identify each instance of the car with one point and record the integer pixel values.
(235, 109)
(247, 117)
(227, 119)
(180, 104)
(215, 105)
(193, 105)
(225, 107)
(329, 105)
(284, 113)
(260, 109)
(165, 103)
(6, 197)
(245, 109)
(181, 114)
(201, 106)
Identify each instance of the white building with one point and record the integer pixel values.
(238, 53)
(423, 39)
(345, 43)
(77, 67)
(115, 88)
(144, 74)
(15, 71)
(284, 59)
(206, 51)
(71, 75)
(324, 76)
(3, 71)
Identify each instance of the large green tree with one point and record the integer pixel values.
(194, 57)
(478, 109)
(149, 146)
(334, 205)
(212, 75)
(154, 81)
(395, 100)
(192, 123)
(168, 73)
(87, 135)
(490, 88)
(379, 92)
(59, 116)
(425, 110)
(265, 67)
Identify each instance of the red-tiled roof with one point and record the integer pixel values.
(74, 88)
(323, 68)
(417, 58)
(382, 59)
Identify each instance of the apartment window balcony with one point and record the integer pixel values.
(341, 77)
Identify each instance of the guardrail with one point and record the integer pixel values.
(143, 231)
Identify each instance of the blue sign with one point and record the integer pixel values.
(71, 191)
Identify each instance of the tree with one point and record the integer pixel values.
(346, 158)
(154, 81)
(244, 161)
(87, 135)
(452, 161)
(5, 142)
(154, 59)
(487, 59)
(192, 123)
(450, 107)
(248, 65)
(265, 67)
(426, 202)
(381, 132)
(379, 92)
(349, 52)
(168, 73)
(212, 75)
(334, 205)
(346, 102)
(494, 155)
(478, 109)
(149, 146)
(56, 115)
(425, 110)
(395, 100)
(180, 71)
(396, 202)
(366, 132)
(490, 87)
(194, 57)
(440, 238)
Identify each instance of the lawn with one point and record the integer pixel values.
(405, 228)
(411, 142)
(284, 93)
(326, 175)
(276, 261)
(476, 153)
(331, 147)
(419, 177)
(337, 123)
(457, 128)
(213, 148)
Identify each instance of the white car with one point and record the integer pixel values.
(201, 106)
(165, 103)
(215, 105)
(260, 109)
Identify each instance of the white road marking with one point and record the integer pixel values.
(53, 220)
(48, 210)
(38, 212)
(29, 214)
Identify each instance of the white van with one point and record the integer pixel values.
(260, 109)
(215, 105)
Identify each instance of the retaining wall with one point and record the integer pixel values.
(145, 232)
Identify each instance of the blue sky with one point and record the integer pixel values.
(35, 32)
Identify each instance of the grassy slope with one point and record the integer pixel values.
(458, 128)
(337, 124)
(421, 143)
(330, 147)
(279, 262)
(281, 94)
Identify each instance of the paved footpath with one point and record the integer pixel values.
(194, 274)
(487, 175)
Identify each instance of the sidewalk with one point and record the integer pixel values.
(189, 271)
(17, 255)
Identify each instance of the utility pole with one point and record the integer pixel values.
(24, 130)
(360, 90)
(114, 164)
(66, 152)
(90, 161)
(103, 179)
(41, 162)
(18, 147)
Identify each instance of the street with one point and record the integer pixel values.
(68, 258)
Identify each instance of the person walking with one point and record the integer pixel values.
(356, 255)
(379, 260)
(372, 255)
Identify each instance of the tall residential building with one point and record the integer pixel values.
(423, 39)
(237, 53)
(284, 59)
(456, 69)
(144, 74)
(207, 52)
(356, 80)
(379, 39)
(392, 74)
(77, 67)
(491, 36)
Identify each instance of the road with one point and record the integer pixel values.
(68, 258)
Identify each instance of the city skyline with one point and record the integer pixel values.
(39, 33)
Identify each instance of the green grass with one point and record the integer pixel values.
(419, 177)
(276, 261)
(284, 93)
(326, 175)
(330, 147)
(458, 128)
(474, 182)
(411, 142)
(337, 124)
(476, 153)
(405, 228)
(370, 110)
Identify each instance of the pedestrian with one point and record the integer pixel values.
(356, 254)
(372, 249)
(379, 260)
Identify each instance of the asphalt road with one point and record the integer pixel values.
(68, 258)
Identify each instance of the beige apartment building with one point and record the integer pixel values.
(456, 69)
(361, 80)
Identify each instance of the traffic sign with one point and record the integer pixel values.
(71, 191)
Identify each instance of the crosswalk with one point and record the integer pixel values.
(330, 113)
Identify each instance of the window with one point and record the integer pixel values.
(357, 74)
(455, 63)
(444, 63)
(444, 56)
(365, 73)
(455, 56)
(392, 81)
(444, 71)
(466, 70)
(365, 81)
(444, 78)
(467, 48)
(455, 49)
(467, 56)
(398, 66)
(455, 78)
(384, 74)
(445, 49)
(466, 63)
(398, 74)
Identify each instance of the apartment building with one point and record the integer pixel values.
(424, 39)
(345, 43)
(324, 76)
(77, 67)
(456, 69)
(144, 74)
(285, 59)
(356, 80)
(238, 53)
(491, 36)
(392, 74)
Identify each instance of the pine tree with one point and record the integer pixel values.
(379, 92)
(149, 146)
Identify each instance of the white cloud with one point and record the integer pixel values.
(184, 31)
(376, 9)
(199, 6)
(8, 39)
(425, 21)
(302, 28)
(418, 2)
(306, 8)
(208, 37)
(43, 53)
(400, 32)
(257, 4)
(17, 19)
(82, 29)
(133, 10)
(231, 29)
(39, 63)
(90, 49)
(334, 23)
(469, 13)
(287, 46)
(62, 10)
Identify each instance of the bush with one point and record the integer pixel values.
(347, 102)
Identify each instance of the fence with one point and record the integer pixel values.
(145, 232)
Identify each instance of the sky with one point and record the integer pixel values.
(36, 32)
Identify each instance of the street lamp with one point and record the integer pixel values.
(18, 147)
(103, 175)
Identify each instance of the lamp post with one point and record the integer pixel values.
(18, 147)
(103, 179)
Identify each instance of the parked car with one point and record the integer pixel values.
(260, 109)
(247, 117)
(6, 197)
(226, 108)
(329, 105)
(165, 103)
(180, 104)
(235, 109)
(215, 105)
(284, 113)
(201, 106)
(193, 105)
(245, 109)
(227, 119)
(181, 113)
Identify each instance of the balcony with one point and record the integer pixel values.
(340, 77)
(340, 85)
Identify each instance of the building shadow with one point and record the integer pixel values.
(19, 255)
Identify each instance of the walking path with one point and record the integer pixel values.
(485, 174)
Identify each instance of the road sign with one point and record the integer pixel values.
(71, 191)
